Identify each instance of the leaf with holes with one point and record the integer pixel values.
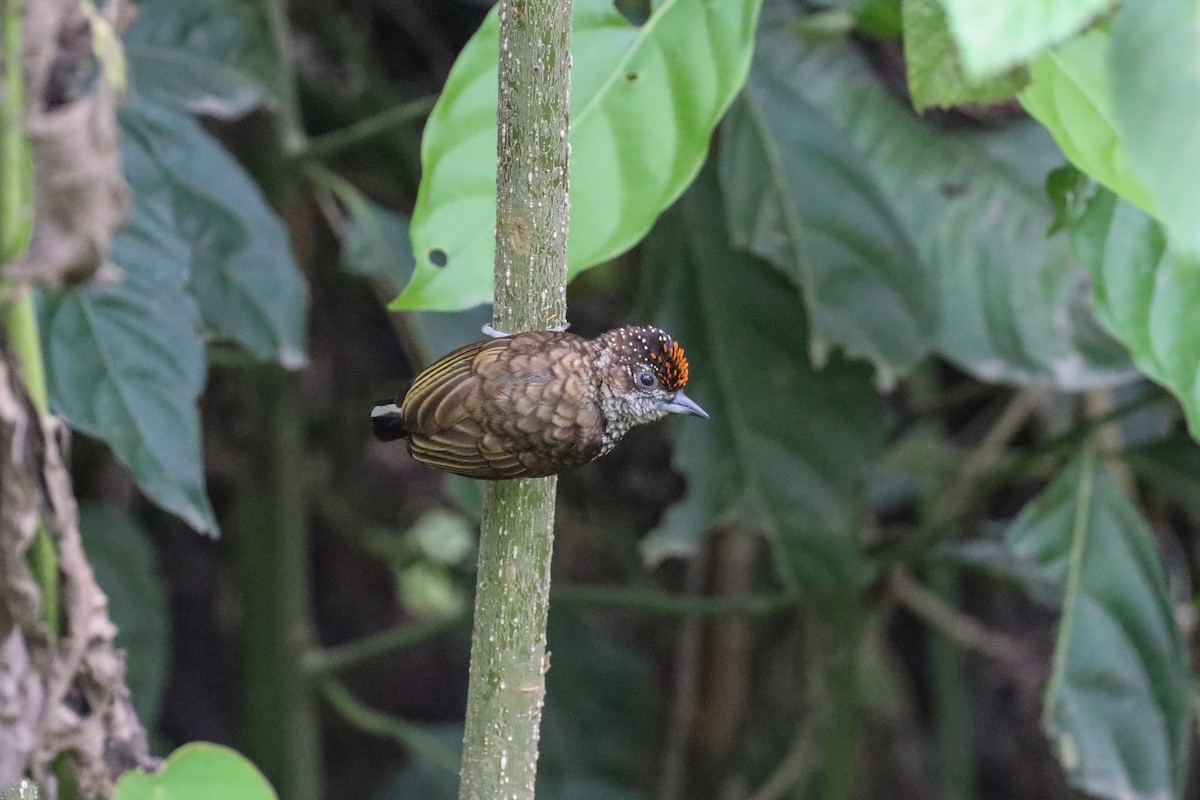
(1145, 295)
(1117, 703)
(798, 195)
(787, 446)
(237, 254)
(644, 102)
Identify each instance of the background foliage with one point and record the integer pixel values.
(939, 536)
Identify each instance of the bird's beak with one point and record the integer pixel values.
(682, 404)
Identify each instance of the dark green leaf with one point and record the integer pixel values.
(235, 250)
(124, 362)
(212, 57)
(797, 195)
(787, 446)
(1117, 705)
(644, 102)
(1012, 303)
(1069, 191)
(1144, 295)
(199, 771)
(1155, 61)
(376, 243)
(120, 554)
(1171, 466)
(936, 76)
(996, 36)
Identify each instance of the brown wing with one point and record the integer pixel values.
(506, 408)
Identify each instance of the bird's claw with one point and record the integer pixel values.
(496, 333)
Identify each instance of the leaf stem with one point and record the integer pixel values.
(413, 738)
(291, 120)
(330, 143)
(1074, 580)
(331, 660)
(508, 649)
(20, 314)
(662, 604)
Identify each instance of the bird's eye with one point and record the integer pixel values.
(646, 379)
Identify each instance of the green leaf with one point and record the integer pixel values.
(797, 195)
(1116, 706)
(376, 242)
(197, 771)
(124, 363)
(120, 554)
(788, 446)
(212, 57)
(236, 251)
(644, 102)
(1155, 61)
(1145, 295)
(1012, 304)
(1070, 93)
(936, 76)
(996, 36)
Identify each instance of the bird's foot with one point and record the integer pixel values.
(496, 333)
(488, 330)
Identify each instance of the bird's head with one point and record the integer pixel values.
(644, 375)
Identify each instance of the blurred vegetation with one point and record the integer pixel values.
(938, 539)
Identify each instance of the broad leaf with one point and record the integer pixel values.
(119, 551)
(788, 445)
(376, 243)
(198, 771)
(797, 195)
(935, 71)
(644, 102)
(996, 36)
(236, 251)
(1155, 64)
(124, 362)
(1012, 304)
(1070, 93)
(212, 57)
(1116, 706)
(1145, 295)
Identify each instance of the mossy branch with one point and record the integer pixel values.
(508, 650)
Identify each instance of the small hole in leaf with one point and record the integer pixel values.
(631, 76)
(438, 257)
(635, 12)
(952, 190)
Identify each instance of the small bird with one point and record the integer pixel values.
(537, 403)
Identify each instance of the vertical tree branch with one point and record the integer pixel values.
(508, 650)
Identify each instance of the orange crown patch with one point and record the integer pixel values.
(671, 366)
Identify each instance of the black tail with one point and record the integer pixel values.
(386, 422)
